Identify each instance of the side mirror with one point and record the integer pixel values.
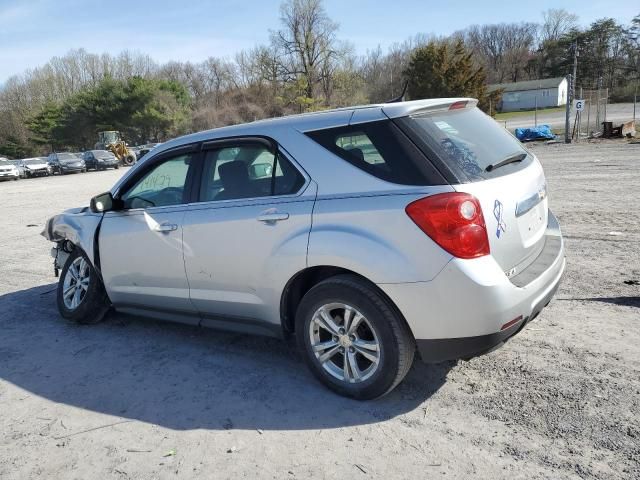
(105, 203)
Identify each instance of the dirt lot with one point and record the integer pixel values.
(132, 398)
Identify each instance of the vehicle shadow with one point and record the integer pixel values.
(178, 376)
(623, 301)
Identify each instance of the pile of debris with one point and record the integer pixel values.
(627, 130)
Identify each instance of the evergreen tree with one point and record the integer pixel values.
(446, 69)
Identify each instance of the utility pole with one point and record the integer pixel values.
(575, 68)
(571, 80)
(598, 104)
(567, 113)
(635, 97)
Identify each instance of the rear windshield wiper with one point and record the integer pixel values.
(518, 157)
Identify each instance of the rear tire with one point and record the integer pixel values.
(81, 297)
(345, 320)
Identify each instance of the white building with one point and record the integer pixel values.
(550, 92)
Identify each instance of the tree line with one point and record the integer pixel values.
(305, 66)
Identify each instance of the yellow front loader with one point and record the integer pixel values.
(112, 141)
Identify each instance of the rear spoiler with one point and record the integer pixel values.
(420, 107)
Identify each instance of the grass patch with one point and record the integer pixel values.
(527, 113)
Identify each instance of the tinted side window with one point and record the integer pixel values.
(247, 171)
(382, 150)
(163, 185)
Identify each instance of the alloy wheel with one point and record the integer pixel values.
(344, 343)
(76, 283)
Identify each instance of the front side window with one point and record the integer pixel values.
(162, 186)
(247, 171)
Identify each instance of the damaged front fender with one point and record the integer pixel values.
(79, 226)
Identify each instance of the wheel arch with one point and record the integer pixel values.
(306, 279)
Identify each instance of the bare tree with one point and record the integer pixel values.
(556, 23)
(503, 49)
(383, 73)
(307, 41)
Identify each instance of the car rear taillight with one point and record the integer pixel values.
(454, 221)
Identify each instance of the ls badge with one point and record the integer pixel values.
(498, 212)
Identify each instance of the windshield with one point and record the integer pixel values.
(68, 157)
(5, 163)
(34, 161)
(468, 141)
(109, 137)
(101, 153)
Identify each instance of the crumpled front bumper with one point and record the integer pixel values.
(78, 225)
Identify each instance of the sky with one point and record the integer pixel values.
(33, 31)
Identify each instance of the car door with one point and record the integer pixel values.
(247, 233)
(141, 248)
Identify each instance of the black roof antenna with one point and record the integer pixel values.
(402, 95)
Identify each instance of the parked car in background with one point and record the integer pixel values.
(19, 164)
(142, 150)
(8, 171)
(100, 160)
(35, 167)
(369, 234)
(62, 163)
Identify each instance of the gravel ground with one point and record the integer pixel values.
(133, 398)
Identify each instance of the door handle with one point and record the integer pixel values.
(165, 227)
(272, 217)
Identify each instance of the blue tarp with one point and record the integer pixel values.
(541, 132)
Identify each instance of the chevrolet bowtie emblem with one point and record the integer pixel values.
(498, 212)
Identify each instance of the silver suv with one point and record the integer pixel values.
(366, 233)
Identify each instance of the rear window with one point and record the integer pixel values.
(466, 141)
(381, 149)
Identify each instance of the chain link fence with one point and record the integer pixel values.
(590, 119)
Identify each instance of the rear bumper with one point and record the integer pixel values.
(442, 349)
(107, 164)
(461, 312)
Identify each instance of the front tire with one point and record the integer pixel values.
(81, 297)
(354, 341)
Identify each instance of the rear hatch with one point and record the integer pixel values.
(481, 158)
